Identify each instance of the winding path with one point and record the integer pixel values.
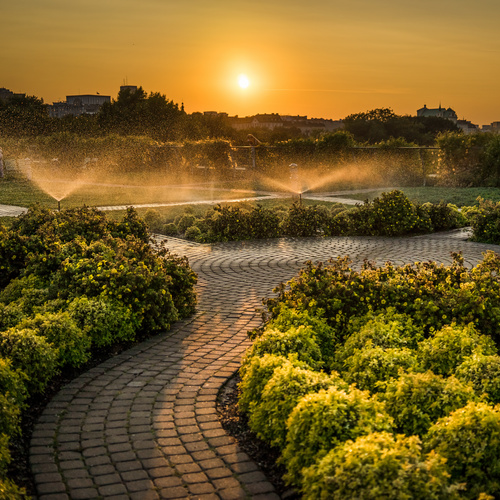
(143, 425)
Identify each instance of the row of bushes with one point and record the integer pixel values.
(391, 214)
(72, 284)
(383, 382)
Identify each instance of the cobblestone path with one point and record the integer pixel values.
(143, 425)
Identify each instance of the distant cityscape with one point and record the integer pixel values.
(76, 105)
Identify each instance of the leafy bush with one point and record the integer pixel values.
(448, 347)
(469, 438)
(324, 420)
(305, 221)
(104, 321)
(325, 335)
(376, 466)
(444, 216)
(368, 367)
(485, 222)
(154, 220)
(387, 329)
(279, 397)
(417, 400)
(12, 397)
(185, 221)
(170, 229)
(299, 341)
(63, 334)
(483, 372)
(192, 233)
(434, 295)
(255, 372)
(392, 214)
(10, 315)
(32, 354)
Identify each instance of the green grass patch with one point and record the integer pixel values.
(458, 196)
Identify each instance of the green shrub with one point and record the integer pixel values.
(4, 457)
(392, 214)
(263, 223)
(379, 466)
(322, 421)
(485, 222)
(417, 400)
(255, 372)
(10, 491)
(387, 329)
(12, 397)
(305, 221)
(170, 229)
(154, 220)
(325, 335)
(483, 372)
(368, 367)
(32, 354)
(300, 341)
(185, 221)
(10, 315)
(469, 438)
(279, 397)
(105, 322)
(61, 331)
(192, 233)
(444, 216)
(444, 351)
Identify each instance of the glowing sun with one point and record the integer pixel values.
(243, 81)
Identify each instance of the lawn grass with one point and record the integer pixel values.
(458, 196)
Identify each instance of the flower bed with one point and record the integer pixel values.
(383, 382)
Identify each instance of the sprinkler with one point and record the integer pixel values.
(58, 205)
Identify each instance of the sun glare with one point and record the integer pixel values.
(243, 81)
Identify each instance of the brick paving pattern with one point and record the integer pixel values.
(143, 425)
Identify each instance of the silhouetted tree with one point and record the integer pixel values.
(24, 116)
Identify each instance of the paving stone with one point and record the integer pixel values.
(126, 423)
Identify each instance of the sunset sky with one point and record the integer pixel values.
(321, 58)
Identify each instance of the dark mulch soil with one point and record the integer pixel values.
(236, 425)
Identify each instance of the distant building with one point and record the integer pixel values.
(467, 127)
(274, 121)
(77, 105)
(6, 94)
(131, 88)
(438, 112)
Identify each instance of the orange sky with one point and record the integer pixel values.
(321, 58)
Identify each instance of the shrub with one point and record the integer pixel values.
(279, 397)
(170, 229)
(392, 214)
(12, 397)
(192, 233)
(255, 372)
(296, 340)
(368, 367)
(105, 322)
(185, 221)
(387, 329)
(379, 466)
(154, 220)
(443, 352)
(469, 438)
(326, 419)
(325, 335)
(485, 222)
(10, 491)
(63, 334)
(444, 216)
(305, 221)
(483, 372)
(32, 354)
(417, 400)
(10, 315)
(263, 223)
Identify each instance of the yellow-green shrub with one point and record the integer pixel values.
(417, 400)
(280, 396)
(448, 347)
(469, 438)
(323, 420)
(368, 367)
(72, 344)
(483, 372)
(32, 354)
(379, 466)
